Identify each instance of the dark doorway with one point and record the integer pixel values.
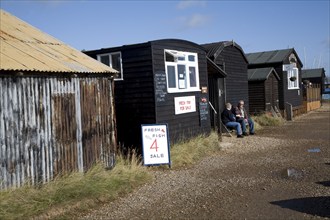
(217, 100)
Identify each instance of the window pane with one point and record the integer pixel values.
(182, 76)
(169, 57)
(192, 76)
(105, 59)
(171, 77)
(295, 74)
(293, 78)
(191, 58)
(181, 58)
(116, 64)
(115, 59)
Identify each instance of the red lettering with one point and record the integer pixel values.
(154, 145)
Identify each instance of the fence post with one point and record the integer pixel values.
(289, 113)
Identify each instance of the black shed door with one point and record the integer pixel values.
(217, 100)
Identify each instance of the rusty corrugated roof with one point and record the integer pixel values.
(26, 48)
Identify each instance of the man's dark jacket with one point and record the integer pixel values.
(227, 116)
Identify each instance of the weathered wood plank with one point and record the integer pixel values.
(52, 125)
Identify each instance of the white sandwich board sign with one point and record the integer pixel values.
(155, 144)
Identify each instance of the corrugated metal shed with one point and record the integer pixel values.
(261, 74)
(56, 107)
(274, 56)
(25, 48)
(313, 73)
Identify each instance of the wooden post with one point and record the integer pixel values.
(288, 110)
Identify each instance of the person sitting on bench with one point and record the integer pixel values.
(229, 120)
(243, 118)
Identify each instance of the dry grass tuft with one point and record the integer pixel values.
(191, 151)
(75, 193)
(267, 120)
(69, 196)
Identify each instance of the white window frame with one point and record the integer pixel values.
(121, 77)
(293, 72)
(187, 64)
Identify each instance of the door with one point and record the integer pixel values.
(217, 100)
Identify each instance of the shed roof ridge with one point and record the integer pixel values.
(268, 51)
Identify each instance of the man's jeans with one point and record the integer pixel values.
(251, 125)
(236, 125)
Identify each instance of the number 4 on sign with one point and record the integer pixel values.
(154, 145)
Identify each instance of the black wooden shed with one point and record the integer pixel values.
(314, 76)
(161, 81)
(263, 89)
(230, 57)
(288, 67)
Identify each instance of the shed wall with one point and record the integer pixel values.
(293, 96)
(256, 96)
(317, 80)
(234, 64)
(134, 95)
(271, 92)
(53, 125)
(182, 126)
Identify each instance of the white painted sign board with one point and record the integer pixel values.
(184, 104)
(155, 144)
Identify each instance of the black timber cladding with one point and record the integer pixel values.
(136, 96)
(277, 59)
(184, 125)
(263, 89)
(229, 56)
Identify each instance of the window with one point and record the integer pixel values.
(114, 61)
(181, 71)
(293, 78)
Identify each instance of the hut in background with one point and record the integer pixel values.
(288, 67)
(313, 87)
(314, 76)
(230, 57)
(263, 90)
(56, 107)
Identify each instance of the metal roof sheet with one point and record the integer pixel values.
(261, 74)
(26, 48)
(312, 73)
(274, 56)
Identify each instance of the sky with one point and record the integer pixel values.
(255, 25)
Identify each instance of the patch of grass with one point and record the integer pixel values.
(68, 196)
(74, 193)
(189, 152)
(267, 120)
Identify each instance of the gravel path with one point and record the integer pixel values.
(247, 179)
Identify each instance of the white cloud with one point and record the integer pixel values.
(190, 3)
(194, 21)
